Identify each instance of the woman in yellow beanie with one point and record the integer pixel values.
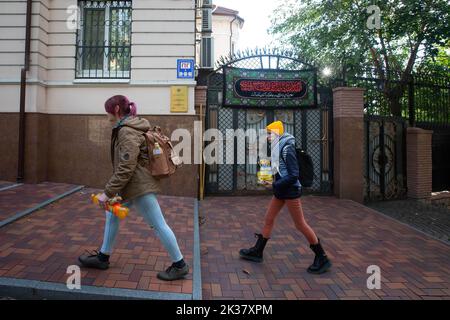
(287, 189)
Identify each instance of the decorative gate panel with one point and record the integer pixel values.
(311, 127)
(385, 169)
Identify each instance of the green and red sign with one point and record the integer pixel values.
(269, 88)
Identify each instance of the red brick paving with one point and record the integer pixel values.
(42, 245)
(26, 196)
(413, 266)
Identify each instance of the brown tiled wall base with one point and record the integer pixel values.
(75, 149)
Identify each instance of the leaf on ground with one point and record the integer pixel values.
(246, 271)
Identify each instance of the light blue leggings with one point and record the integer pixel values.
(148, 207)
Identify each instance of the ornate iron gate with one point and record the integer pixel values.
(385, 163)
(311, 127)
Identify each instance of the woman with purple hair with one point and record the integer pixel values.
(137, 187)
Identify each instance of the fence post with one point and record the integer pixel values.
(411, 106)
(348, 118)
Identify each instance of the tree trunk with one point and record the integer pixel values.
(394, 95)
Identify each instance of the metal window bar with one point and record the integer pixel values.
(104, 40)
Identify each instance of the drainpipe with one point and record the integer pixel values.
(231, 34)
(23, 87)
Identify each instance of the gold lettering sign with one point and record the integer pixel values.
(179, 99)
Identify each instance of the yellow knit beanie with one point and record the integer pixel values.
(276, 127)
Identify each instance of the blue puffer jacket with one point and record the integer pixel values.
(286, 184)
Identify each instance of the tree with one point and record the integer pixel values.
(336, 32)
(438, 64)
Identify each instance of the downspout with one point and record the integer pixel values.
(23, 87)
(195, 35)
(231, 34)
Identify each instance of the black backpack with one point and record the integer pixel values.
(305, 168)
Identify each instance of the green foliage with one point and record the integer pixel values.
(335, 33)
(330, 31)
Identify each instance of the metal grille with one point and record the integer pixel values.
(313, 132)
(385, 172)
(225, 178)
(241, 174)
(311, 128)
(104, 39)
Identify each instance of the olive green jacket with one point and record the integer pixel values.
(129, 155)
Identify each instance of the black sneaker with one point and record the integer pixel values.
(173, 273)
(94, 260)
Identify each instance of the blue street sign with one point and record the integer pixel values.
(185, 69)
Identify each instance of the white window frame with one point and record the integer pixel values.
(105, 73)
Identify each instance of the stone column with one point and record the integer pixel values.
(348, 104)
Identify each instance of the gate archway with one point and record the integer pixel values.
(307, 117)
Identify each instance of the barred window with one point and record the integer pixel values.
(104, 40)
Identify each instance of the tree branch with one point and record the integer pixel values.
(377, 63)
(413, 56)
(384, 53)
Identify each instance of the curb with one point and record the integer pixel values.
(197, 276)
(10, 187)
(32, 289)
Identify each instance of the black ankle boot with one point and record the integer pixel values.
(255, 253)
(321, 262)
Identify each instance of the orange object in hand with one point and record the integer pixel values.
(113, 205)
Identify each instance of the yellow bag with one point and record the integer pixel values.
(265, 172)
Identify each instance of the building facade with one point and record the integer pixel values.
(218, 30)
(227, 25)
(81, 53)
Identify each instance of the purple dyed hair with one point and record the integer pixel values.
(125, 106)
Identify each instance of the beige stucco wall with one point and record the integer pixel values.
(163, 31)
(64, 114)
(222, 33)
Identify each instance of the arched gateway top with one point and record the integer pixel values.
(263, 59)
(267, 78)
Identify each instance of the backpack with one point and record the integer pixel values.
(305, 168)
(163, 160)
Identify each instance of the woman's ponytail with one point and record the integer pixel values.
(133, 109)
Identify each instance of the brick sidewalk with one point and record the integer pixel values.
(42, 245)
(429, 218)
(413, 265)
(26, 196)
